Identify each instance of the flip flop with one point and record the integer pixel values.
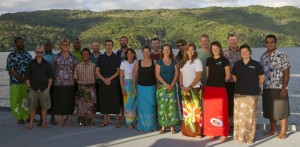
(162, 131)
(173, 132)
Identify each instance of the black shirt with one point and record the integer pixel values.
(108, 64)
(146, 75)
(247, 77)
(38, 74)
(216, 71)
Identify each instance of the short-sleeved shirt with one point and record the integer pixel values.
(85, 73)
(216, 71)
(77, 54)
(38, 74)
(155, 56)
(128, 69)
(108, 64)
(17, 60)
(247, 82)
(64, 69)
(274, 66)
(189, 71)
(232, 56)
(121, 55)
(167, 72)
(203, 55)
(49, 57)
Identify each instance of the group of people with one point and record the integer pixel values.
(217, 91)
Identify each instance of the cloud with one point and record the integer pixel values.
(102, 5)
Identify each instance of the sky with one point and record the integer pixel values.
(12, 6)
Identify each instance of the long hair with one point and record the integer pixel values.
(186, 57)
(171, 56)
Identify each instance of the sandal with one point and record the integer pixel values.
(173, 132)
(162, 131)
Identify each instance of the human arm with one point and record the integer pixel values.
(134, 77)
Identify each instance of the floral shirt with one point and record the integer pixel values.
(18, 61)
(274, 66)
(232, 56)
(64, 69)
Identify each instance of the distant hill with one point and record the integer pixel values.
(251, 23)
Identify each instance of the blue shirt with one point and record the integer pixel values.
(49, 57)
(18, 61)
(167, 72)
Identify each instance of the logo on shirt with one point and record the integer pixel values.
(216, 122)
(253, 67)
(219, 63)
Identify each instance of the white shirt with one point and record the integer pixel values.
(189, 72)
(128, 69)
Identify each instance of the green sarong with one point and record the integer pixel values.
(18, 96)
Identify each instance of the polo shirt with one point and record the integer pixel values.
(38, 74)
(247, 77)
(108, 64)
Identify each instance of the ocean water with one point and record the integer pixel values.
(294, 83)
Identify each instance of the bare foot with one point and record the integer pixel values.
(30, 126)
(212, 137)
(44, 126)
(282, 135)
(223, 139)
(270, 133)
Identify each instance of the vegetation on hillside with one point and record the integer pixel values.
(251, 23)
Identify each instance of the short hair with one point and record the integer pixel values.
(124, 37)
(271, 36)
(76, 39)
(232, 34)
(95, 42)
(245, 46)
(64, 40)
(154, 39)
(171, 56)
(108, 40)
(146, 47)
(38, 47)
(218, 44)
(205, 36)
(181, 41)
(130, 50)
(86, 50)
(18, 38)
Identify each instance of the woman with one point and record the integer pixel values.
(144, 72)
(190, 76)
(126, 72)
(84, 74)
(248, 75)
(64, 84)
(166, 72)
(215, 94)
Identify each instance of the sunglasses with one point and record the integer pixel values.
(39, 52)
(179, 45)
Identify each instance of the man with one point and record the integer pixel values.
(38, 81)
(17, 62)
(233, 55)
(123, 44)
(275, 91)
(48, 56)
(155, 55)
(181, 45)
(107, 70)
(77, 49)
(84, 74)
(204, 54)
(121, 54)
(96, 51)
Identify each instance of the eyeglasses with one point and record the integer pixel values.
(39, 52)
(179, 45)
